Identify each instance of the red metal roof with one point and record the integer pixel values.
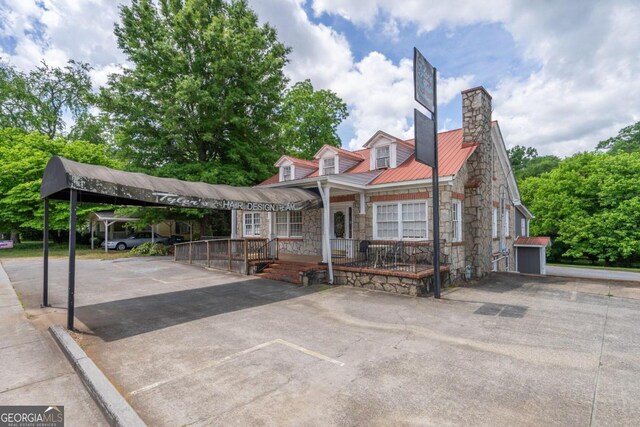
(301, 162)
(543, 241)
(452, 155)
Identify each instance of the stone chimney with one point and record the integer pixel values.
(476, 129)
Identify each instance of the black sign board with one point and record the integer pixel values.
(425, 139)
(423, 81)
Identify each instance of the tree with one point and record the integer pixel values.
(627, 141)
(311, 119)
(526, 163)
(201, 100)
(520, 155)
(589, 205)
(39, 100)
(24, 157)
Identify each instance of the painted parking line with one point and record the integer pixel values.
(235, 355)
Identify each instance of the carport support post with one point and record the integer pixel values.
(72, 258)
(45, 254)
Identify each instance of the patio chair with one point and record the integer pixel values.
(364, 249)
(396, 253)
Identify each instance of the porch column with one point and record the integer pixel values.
(45, 255)
(326, 223)
(363, 204)
(106, 236)
(91, 233)
(72, 258)
(234, 224)
(153, 235)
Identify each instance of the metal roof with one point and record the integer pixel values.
(99, 184)
(452, 155)
(541, 241)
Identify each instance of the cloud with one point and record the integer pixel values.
(586, 86)
(378, 92)
(58, 30)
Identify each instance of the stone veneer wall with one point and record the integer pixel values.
(476, 128)
(398, 285)
(310, 243)
(500, 183)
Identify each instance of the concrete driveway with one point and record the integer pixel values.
(593, 273)
(192, 347)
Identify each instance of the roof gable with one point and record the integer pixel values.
(380, 136)
(336, 150)
(452, 155)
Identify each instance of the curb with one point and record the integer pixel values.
(114, 407)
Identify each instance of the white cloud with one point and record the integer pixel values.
(58, 30)
(379, 93)
(586, 87)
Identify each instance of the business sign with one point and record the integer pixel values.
(6, 244)
(425, 139)
(423, 81)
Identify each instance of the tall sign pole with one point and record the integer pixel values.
(426, 144)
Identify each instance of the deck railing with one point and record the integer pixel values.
(408, 256)
(226, 254)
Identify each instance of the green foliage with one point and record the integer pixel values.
(311, 119)
(38, 101)
(627, 141)
(23, 157)
(519, 155)
(589, 205)
(150, 248)
(536, 167)
(201, 100)
(526, 163)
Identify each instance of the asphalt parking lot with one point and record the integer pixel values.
(192, 347)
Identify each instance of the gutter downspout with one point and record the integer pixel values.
(325, 230)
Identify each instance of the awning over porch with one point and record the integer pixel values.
(99, 184)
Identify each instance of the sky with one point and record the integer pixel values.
(563, 74)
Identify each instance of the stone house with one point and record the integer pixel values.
(380, 193)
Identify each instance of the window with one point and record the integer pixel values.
(329, 166)
(286, 173)
(505, 224)
(383, 158)
(456, 220)
(494, 223)
(400, 220)
(387, 221)
(414, 221)
(183, 228)
(289, 224)
(523, 227)
(252, 224)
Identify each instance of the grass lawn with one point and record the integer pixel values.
(596, 267)
(59, 250)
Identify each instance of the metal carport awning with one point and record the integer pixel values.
(65, 179)
(100, 184)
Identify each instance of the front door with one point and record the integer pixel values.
(341, 231)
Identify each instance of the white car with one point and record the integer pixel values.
(134, 240)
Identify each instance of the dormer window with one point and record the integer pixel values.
(383, 157)
(286, 173)
(329, 166)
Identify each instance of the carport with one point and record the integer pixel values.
(76, 182)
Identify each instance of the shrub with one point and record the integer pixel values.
(150, 248)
